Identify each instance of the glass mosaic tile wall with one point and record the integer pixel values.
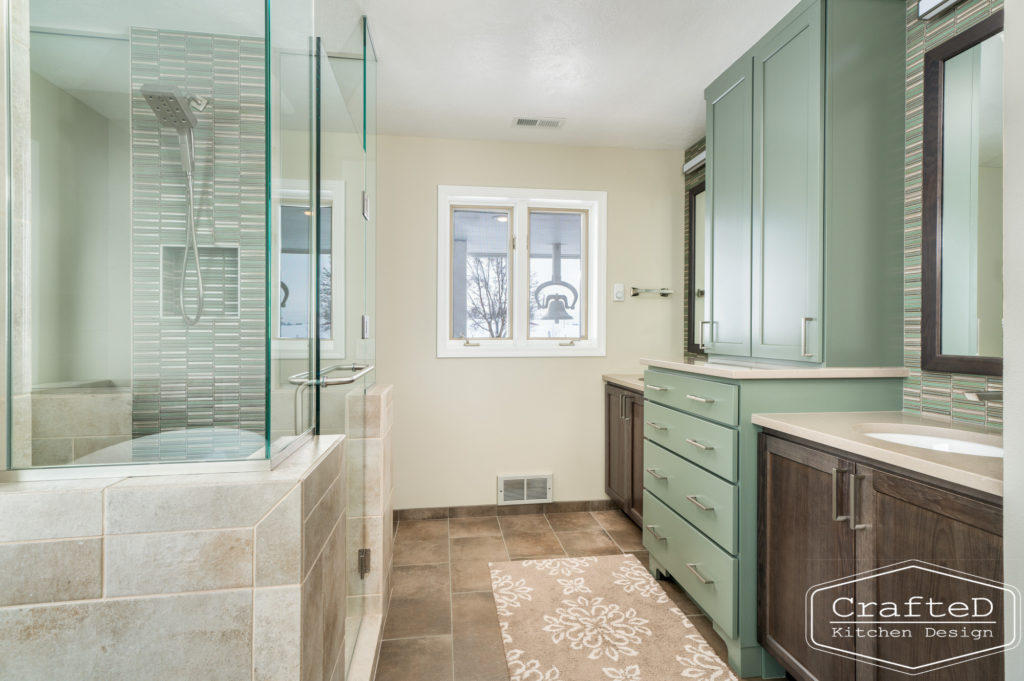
(927, 392)
(213, 373)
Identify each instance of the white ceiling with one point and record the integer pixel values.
(621, 73)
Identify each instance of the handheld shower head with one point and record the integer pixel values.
(170, 106)
(172, 110)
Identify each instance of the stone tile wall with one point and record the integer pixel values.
(220, 576)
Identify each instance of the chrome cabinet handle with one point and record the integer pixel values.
(803, 336)
(656, 426)
(698, 398)
(835, 497)
(655, 474)
(699, 445)
(654, 533)
(622, 406)
(656, 388)
(853, 504)
(692, 498)
(702, 343)
(703, 580)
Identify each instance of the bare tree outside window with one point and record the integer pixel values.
(487, 295)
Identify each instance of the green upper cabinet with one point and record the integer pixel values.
(814, 227)
(727, 181)
(787, 213)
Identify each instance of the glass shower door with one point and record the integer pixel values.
(346, 302)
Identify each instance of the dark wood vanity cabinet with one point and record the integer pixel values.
(624, 449)
(806, 539)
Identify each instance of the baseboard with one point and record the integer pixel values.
(444, 512)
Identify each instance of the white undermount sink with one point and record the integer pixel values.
(948, 441)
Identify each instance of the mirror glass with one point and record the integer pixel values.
(698, 267)
(972, 200)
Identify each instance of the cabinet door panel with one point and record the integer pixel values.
(801, 546)
(787, 191)
(636, 429)
(727, 246)
(616, 459)
(913, 521)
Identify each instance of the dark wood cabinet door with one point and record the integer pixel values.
(914, 521)
(801, 545)
(616, 456)
(635, 409)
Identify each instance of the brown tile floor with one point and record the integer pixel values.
(442, 624)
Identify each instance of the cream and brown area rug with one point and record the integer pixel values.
(594, 619)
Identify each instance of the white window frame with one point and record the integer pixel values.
(296, 193)
(521, 201)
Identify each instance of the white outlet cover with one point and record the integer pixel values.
(618, 292)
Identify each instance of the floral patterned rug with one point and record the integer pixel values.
(594, 619)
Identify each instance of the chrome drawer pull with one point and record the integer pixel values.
(803, 336)
(703, 580)
(835, 498)
(698, 398)
(654, 533)
(692, 498)
(656, 388)
(656, 426)
(854, 525)
(699, 445)
(655, 474)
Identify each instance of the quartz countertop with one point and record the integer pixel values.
(631, 381)
(771, 371)
(847, 431)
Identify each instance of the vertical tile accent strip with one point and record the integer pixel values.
(926, 392)
(211, 374)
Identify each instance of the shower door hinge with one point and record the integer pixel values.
(364, 563)
(366, 326)
(366, 205)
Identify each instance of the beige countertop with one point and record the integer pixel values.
(632, 381)
(847, 431)
(772, 371)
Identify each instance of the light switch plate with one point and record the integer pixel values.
(618, 292)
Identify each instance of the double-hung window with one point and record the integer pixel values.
(520, 272)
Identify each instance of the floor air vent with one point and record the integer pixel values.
(523, 489)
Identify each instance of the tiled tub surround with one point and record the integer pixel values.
(928, 392)
(187, 376)
(69, 424)
(217, 576)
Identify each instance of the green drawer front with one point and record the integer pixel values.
(684, 546)
(706, 444)
(683, 486)
(707, 399)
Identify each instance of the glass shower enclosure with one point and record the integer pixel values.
(188, 278)
(190, 193)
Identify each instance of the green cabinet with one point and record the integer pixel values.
(700, 487)
(804, 250)
(727, 177)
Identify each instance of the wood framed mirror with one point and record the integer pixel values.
(961, 213)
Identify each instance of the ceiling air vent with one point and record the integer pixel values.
(546, 123)
(524, 489)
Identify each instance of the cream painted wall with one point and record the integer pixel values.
(80, 241)
(462, 422)
(1013, 331)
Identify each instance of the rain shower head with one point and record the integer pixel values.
(170, 106)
